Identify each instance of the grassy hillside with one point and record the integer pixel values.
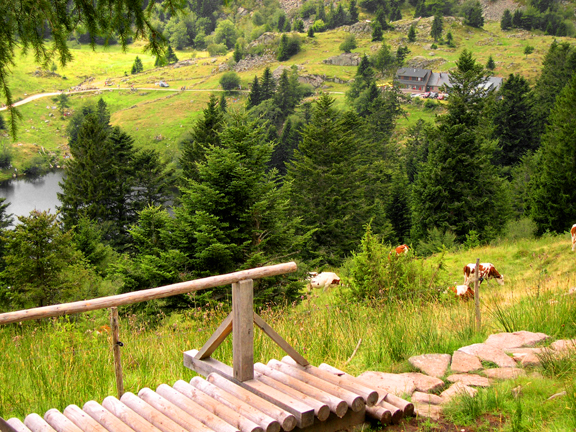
(59, 362)
(158, 119)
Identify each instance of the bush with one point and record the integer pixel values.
(217, 49)
(319, 26)
(524, 228)
(36, 166)
(433, 46)
(5, 156)
(437, 241)
(374, 272)
(307, 9)
(230, 81)
(349, 43)
(430, 104)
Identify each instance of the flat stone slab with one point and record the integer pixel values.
(524, 351)
(424, 383)
(427, 399)
(504, 373)
(457, 389)
(489, 353)
(564, 345)
(530, 360)
(515, 340)
(464, 363)
(431, 364)
(470, 380)
(390, 383)
(433, 412)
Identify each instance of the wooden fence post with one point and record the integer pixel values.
(116, 344)
(477, 296)
(243, 330)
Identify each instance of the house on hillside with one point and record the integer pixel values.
(414, 80)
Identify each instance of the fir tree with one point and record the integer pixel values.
(473, 17)
(152, 180)
(353, 11)
(513, 121)
(283, 49)
(517, 18)
(285, 98)
(401, 54)
(284, 150)
(281, 22)
(238, 52)
(171, 55)
(456, 192)
(490, 64)
(223, 104)
(137, 67)
(506, 21)
(311, 32)
(204, 134)
(553, 190)
(362, 80)
(412, 34)
(267, 85)
(450, 39)
(255, 97)
(436, 31)
(377, 33)
(420, 10)
(160, 61)
(299, 26)
(321, 13)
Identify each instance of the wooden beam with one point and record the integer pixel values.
(151, 415)
(223, 330)
(60, 422)
(145, 295)
(13, 425)
(7, 427)
(83, 420)
(280, 341)
(37, 424)
(105, 417)
(128, 416)
(243, 330)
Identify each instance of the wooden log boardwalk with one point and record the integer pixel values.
(287, 395)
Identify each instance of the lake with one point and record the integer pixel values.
(26, 194)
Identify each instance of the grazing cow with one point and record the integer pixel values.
(487, 271)
(573, 232)
(324, 280)
(402, 249)
(463, 292)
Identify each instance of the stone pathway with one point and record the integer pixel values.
(463, 371)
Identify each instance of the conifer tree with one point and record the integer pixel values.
(362, 80)
(412, 34)
(455, 191)
(171, 55)
(401, 54)
(377, 33)
(353, 11)
(281, 22)
(238, 52)
(513, 121)
(396, 14)
(284, 150)
(254, 98)
(517, 18)
(299, 26)
(490, 64)
(137, 67)
(553, 190)
(205, 133)
(450, 39)
(223, 103)
(473, 17)
(506, 21)
(152, 180)
(321, 13)
(160, 61)
(267, 85)
(436, 30)
(420, 10)
(311, 31)
(283, 49)
(285, 98)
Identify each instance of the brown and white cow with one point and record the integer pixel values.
(487, 272)
(573, 232)
(402, 249)
(463, 292)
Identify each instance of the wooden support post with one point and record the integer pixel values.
(477, 296)
(243, 330)
(5, 426)
(116, 344)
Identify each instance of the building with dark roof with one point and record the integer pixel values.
(414, 80)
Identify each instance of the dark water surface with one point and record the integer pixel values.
(27, 194)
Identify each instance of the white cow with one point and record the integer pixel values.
(324, 280)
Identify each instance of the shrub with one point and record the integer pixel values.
(433, 46)
(319, 26)
(430, 104)
(307, 9)
(524, 228)
(349, 43)
(5, 157)
(230, 81)
(217, 49)
(374, 272)
(437, 241)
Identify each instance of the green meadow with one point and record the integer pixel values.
(57, 362)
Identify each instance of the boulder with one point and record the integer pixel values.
(489, 353)
(424, 383)
(515, 340)
(431, 364)
(464, 363)
(564, 345)
(457, 389)
(530, 360)
(425, 398)
(504, 373)
(345, 59)
(433, 412)
(470, 380)
(392, 383)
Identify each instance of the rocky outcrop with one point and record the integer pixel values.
(469, 380)
(265, 38)
(515, 340)
(253, 62)
(396, 384)
(489, 353)
(464, 363)
(420, 62)
(431, 364)
(345, 59)
(504, 373)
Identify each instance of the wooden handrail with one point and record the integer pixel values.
(144, 295)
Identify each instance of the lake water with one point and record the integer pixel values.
(27, 194)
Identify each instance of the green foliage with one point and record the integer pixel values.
(433, 46)
(6, 156)
(289, 46)
(311, 32)
(528, 49)
(268, 84)
(349, 43)
(450, 40)
(40, 262)
(412, 34)
(353, 11)
(87, 237)
(225, 34)
(490, 64)
(437, 241)
(375, 272)
(472, 12)
(401, 54)
(299, 26)
(553, 189)
(216, 49)
(137, 67)
(383, 60)
(319, 26)
(377, 33)
(362, 80)
(62, 102)
(436, 30)
(255, 97)
(230, 81)
(170, 55)
(238, 53)
(506, 20)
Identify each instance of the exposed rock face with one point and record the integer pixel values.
(250, 62)
(265, 38)
(489, 353)
(431, 364)
(504, 373)
(424, 383)
(425, 398)
(396, 384)
(464, 363)
(457, 389)
(345, 59)
(358, 29)
(420, 62)
(515, 340)
(469, 380)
